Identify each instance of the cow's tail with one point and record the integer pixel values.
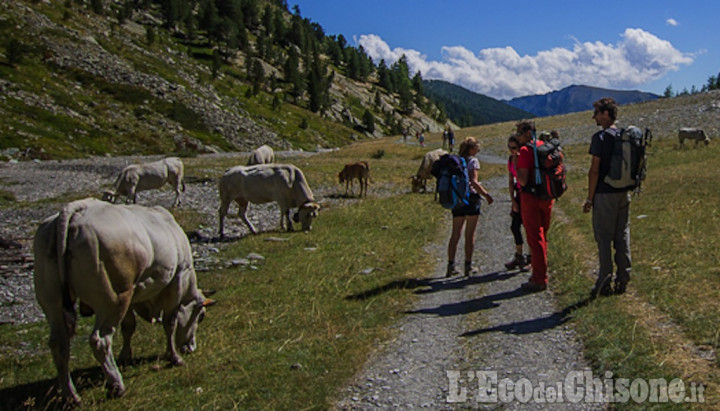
(62, 228)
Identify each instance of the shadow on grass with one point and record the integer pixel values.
(337, 196)
(197, 237)
(535, 325)
(409, 283)
(43, 394)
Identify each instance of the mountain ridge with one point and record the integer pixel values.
(467, 108)
(576, 98)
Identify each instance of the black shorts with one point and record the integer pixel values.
(468, 209)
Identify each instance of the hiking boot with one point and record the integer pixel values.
(620, 288)
(604, 292)
(533, 287)
(517, 261)
(451, 270)
(526, 266)
(469, 269)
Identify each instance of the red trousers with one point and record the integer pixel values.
(536, 219)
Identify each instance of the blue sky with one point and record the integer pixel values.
(507, 48)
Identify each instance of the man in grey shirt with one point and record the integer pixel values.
(610, 206)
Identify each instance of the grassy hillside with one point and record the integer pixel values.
(470, 109)
(77, 83)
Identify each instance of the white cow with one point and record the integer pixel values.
(140, 177)
(419, 180)
(262, 155)
(265, 183)
(693, 134)
(117, 260)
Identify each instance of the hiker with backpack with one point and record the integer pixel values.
(466, 207)
(519, 260)
(610, 205)
(536, 209)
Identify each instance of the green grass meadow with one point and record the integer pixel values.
(673, 295)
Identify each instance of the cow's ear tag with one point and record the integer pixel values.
(208, 302)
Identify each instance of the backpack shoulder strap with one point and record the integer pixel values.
(538, 178)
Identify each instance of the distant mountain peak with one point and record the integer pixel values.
(576, 98)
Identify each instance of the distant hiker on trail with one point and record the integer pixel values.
(445, 139)
(451, 139)
(405, 134)
(520, 260)
(467, 212)
(536, 212)
(421, 138)
(610, 206)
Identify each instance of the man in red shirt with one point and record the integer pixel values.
(535, 211)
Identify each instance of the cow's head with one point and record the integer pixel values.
(109, 196)
(306, 214)
(189, 316)
(417, 183)
(341, 176)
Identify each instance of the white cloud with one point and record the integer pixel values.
(672, 22)
(639, 57)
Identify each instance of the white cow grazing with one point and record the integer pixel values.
(265, 183)
(140, 177)
(262, 155)
(118, 260)
(693, 134)
(419, 180)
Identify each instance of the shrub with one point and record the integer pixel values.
(14, 50)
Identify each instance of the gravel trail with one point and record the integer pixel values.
(483, 323)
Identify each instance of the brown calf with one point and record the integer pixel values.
(359, 171)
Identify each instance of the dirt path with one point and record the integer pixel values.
(477, 326)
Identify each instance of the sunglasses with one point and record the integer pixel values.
(513, 147)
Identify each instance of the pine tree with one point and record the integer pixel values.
(668, 91)
(293, 75)
(256, 75)
(318, 84)
(368, 121)
(208, 18)
(268, 21)
(384, 77)
(251, 14)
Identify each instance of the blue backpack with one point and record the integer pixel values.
(453, 186)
